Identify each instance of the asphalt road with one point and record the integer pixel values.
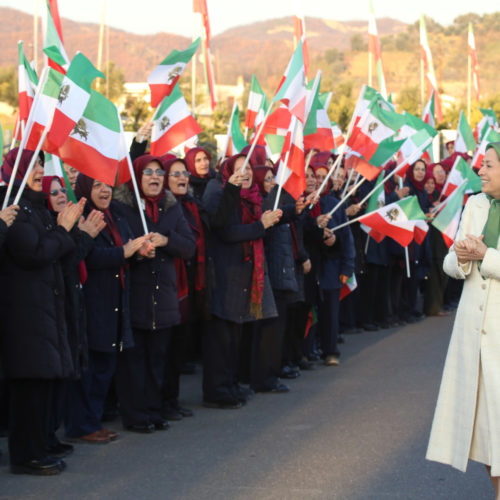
(358, 431)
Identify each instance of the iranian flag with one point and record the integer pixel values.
(52, 45)
(488, 122)
(376, 201)
(299, 34)
(235, 140)
(397, 220)
(27, 83)
(429, 113)
(277, 123)
(292, 173)
(350, 285)
(165, 76)
(448, 219)
(491, 136)
(96, 145)
(461, 172)
(291, 90)
(426, 56)
(374, 49)
(274, 146)
(473, 61)
(465, 139)
(173, 124)
(257, 104)
(52, 166)
(72, 99)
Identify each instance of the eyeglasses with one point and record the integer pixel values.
(178, 174)
(149, 171)
(269, 179)
(55, 192)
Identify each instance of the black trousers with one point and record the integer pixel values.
(294, 334)
(374, 304)
(267, 346)
(174, 359)
(220, 360)
(29, 419)
(328, 321)
(139, 377)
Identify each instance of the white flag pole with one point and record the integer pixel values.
(27, 130)
(133, 179)
(348, 182)
(16, 133)
(226, 142)
(407, 255)
(347, 196)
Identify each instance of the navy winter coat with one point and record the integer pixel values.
(154, 302)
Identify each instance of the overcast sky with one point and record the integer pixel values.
(151, 16)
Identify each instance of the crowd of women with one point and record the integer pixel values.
(100, 314)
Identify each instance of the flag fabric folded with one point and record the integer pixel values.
(429, 113)
(53, 46)
(488, 122)
(165, 76)
(374, 49)
(299, 33)
(257, 104)
(461, 172)
(294, 174)
(397, 220)
(274, 146)
(235, 140)
(96, 147)
(291, 90)
(490, 136)
(465, 139)
(448, 219)
(349, 287)
(27, 83)
(173, 123)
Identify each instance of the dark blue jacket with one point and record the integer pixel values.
(339, 258)
(153, 292)
(233, 273)
(108, 304)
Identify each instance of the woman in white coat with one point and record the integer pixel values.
(467, 419)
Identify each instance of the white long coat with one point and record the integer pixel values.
(475, 338)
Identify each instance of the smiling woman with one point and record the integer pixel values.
(467, 419)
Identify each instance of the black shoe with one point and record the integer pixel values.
(171, 413)
(47, 466)
(305, 364)
(279, 388)
(223, 404)
(288, 372)
(161, 425)
(243, 394)
(60, 450)
(141, 428)
(370, 327)
(185, 412)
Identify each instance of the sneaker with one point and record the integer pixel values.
(331, 361)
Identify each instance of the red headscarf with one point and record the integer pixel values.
(430, 175)
(190, 160)
(46, 182)
(258, 157)
(448, 163)
(418, 184)
(321, 158)
(251, 211)
(259, 173)
(151, 202)
(10, 160)
(194, 221)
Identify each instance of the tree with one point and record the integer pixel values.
(136, 111)
(409, 100)
(112, 87)
(358, 43)
(8, 86)
(343, 104)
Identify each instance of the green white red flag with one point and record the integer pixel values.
(293, 161)
(477, 159)
(235, 140)
(173, 123)
(96, 146)
(299, 35)
(165, 76)
(52, 45)
(27, 84)
(488, 122)
(426, 56)
(374, 49)
(52, 166)
(200, 7)
(350, 285)
(461, 172)
(429, 113)
(398, 221)
(257, 105)
(291, 90)
(474, 63)
(274, 146)
(464, 142)
(448, 219)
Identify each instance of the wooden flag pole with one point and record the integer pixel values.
(24, 139)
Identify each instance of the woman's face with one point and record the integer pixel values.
(247, 173)
(201, 164)
(490, 174)
(439, 174)
(338, 183)
(35, 178)
(178, 179)
(152, 179)
(430, 185)
(321, 174)
(269, 182)
(72, 174)
(57, 196)
(310, 180)
(101, 195)
(419, 171)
